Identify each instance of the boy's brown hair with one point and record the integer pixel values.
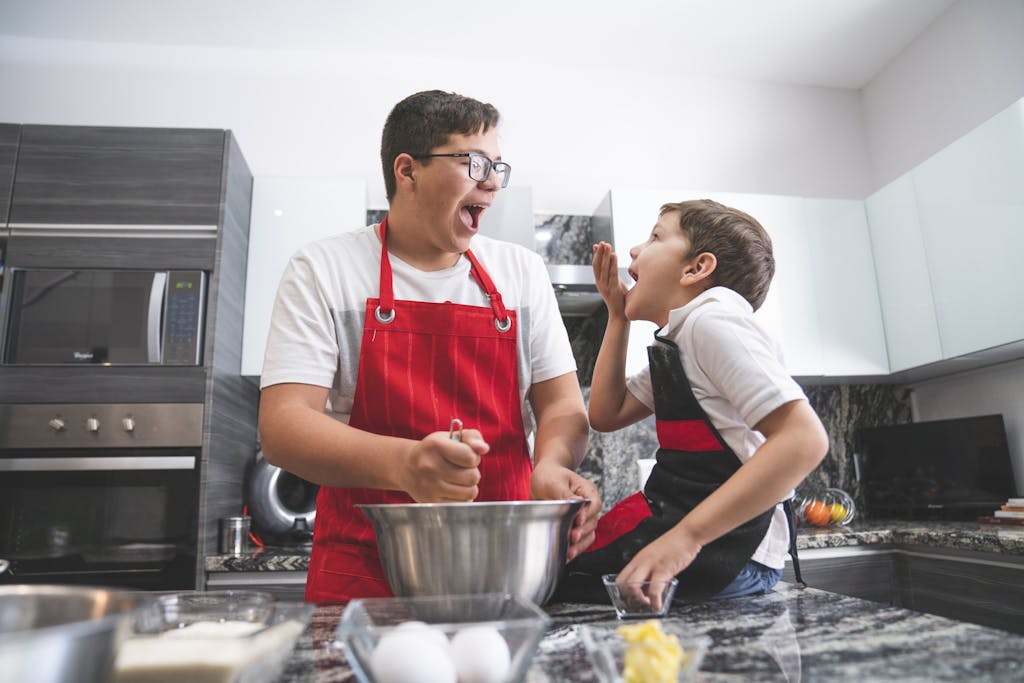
(424, 121)
(740, 245)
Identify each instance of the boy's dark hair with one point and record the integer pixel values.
(741, 246)
(423, 121)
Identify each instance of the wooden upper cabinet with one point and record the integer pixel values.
(8, 153)
(118, 176)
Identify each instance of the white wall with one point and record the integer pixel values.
(569, 133)
(966, 67)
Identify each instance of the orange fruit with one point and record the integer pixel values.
(818, 513)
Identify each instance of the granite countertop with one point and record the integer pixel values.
(971, 536)
(974, 536)
(789, 634)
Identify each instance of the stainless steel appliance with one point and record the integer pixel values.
(282, 505)
(100, 493)
(108, 317)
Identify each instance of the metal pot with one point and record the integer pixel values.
(280, 503)
(63, 634)
(516, 547)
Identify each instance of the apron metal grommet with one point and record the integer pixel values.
(503, 325)
(382, 318)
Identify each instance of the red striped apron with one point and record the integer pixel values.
(420, 365)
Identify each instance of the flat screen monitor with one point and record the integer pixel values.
(946, 469)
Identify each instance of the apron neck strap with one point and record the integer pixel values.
(501, 317)
(387, 292)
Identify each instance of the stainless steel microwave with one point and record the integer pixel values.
(105, 317)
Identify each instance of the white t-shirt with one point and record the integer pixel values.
(737, 375)
(316, 326)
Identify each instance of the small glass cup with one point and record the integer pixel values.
(640, 599)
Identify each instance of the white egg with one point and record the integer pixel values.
(481, 655)
(423, 627)
(412, 655)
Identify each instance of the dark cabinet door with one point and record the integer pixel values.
(8, 153)
(861, 573)
(983, 588)
(118, 176)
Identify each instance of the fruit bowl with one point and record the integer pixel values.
(485, 638)
(834, 507)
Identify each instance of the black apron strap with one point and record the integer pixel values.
(787, 506)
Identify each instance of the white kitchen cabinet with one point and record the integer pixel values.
(287, 213)
(970, 200)
(789, 313)
(901, 268)
(852, 334)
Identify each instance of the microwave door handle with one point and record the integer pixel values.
(156, 310)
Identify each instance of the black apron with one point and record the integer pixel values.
(692, 461)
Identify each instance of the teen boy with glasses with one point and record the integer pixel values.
(381, 337)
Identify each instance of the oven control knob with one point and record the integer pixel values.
(57, 424)
(92, 424)
(128, 423)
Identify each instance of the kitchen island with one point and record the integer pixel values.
(789, 634)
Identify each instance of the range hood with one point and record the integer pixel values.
(511, 218)
(575, 290)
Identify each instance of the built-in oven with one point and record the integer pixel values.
(104, 317)
(100, 494)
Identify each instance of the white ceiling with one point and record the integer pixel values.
(833, 43)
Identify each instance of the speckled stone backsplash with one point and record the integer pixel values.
(612, 458)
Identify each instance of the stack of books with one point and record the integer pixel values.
(1011, 513)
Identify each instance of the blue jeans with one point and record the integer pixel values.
(753, 579)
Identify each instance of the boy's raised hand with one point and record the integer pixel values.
(606, 276)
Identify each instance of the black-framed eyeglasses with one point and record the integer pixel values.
(480, 167)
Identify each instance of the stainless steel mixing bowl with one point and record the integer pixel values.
(60, 634)
(516, 547)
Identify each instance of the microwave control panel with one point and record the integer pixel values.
(183, 318)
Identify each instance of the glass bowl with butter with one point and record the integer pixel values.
(651, 651)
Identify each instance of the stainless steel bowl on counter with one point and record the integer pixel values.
(63, 634)
(516, 547)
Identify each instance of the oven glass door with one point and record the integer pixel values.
(85, 316)
(131, 528)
